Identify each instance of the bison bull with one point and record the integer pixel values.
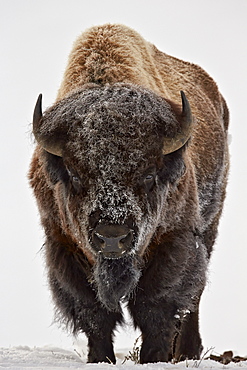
(130, 177)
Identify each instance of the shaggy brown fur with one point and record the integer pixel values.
(116, 110)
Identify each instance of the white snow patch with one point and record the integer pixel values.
(50, 358)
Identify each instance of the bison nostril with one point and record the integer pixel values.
(126, 240)
(98, 240)
(112, 240)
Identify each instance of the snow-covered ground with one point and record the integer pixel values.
(48, 357)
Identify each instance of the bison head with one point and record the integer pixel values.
(111, 154)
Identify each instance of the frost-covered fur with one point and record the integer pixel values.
(116, 279)
(117, 104)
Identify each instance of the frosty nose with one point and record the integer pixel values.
(112, 240)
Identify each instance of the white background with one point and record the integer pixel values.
(36, 37)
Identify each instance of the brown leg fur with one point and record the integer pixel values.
(188, 343)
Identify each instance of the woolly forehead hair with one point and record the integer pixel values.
(124, 109)
(112, 120)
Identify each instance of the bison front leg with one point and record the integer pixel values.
(163, 294)
(100, 339)
(85, 314)
(188, 342)
(157, 324)
(79, 308)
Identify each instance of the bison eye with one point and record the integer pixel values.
(149, 181)
(149, 178)
(75, 180)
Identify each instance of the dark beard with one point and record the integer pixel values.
(115, 280)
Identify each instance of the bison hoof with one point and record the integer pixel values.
(153, 355)
(100, 353)
(96, 359)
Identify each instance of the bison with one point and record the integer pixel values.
(130, 173)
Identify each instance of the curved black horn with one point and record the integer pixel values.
(42, 138)
(175, 143)
(37, 114)
(186, 113)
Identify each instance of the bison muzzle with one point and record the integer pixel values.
(129, 174)
(113, 241)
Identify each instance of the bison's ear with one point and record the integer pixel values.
(49, 142)
(186, 122)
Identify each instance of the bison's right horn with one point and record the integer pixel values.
(175, 143)
(37, 114)
(44, 139)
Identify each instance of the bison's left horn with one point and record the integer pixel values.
(45, 140)
(37, 114)
(186, 121)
